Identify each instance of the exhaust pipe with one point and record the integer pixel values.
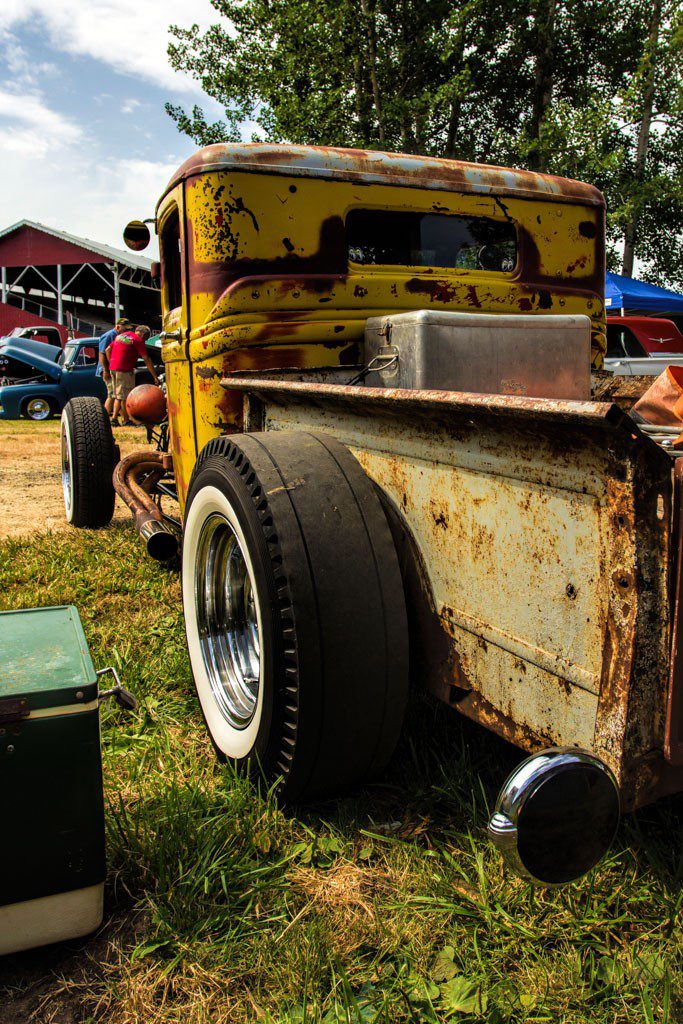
(161, 541)
(556, 816)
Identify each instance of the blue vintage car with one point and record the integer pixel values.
(36, 381)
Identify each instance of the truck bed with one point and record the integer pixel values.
(534, 537)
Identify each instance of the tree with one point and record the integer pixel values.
(648, 72)
(651, 208)
(586, 88)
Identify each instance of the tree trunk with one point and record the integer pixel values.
(543, 82)
(631, 231)
(456, 105)
(372, 51)
(453, 126)
(410, 136)
(363, 138)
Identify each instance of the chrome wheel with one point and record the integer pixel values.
(38, 409)
(227, 619)
(66, 469)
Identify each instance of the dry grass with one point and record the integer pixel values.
(30, 485)
(348, 899)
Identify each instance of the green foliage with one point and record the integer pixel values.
(556, 85)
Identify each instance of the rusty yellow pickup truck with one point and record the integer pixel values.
(390, 471)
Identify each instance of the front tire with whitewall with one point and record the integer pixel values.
(294, 611)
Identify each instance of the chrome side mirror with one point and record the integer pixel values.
(136, 235)
(556, 816)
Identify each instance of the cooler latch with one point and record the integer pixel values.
(124, 698)
(13, 709)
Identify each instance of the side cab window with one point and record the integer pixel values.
(171, 260)
(87, 356)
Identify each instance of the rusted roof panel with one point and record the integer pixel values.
(370, 167)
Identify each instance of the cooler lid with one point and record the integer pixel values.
(460, 319)
(44, 658)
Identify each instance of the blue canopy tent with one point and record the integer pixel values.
(629, 295)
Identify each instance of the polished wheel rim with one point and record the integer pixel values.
(66, 470)
(38, 409)
(227, 620)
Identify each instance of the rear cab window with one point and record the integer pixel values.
(406, 239)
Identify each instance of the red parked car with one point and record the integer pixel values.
(655, 335)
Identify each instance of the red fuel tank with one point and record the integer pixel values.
(147, 404)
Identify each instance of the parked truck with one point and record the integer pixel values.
(390, 471)
(37, 380)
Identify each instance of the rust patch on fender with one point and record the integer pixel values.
(206, 372)
(472, 297)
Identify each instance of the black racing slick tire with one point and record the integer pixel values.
(89, 455)
(294, 611)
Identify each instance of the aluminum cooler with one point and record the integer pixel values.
(533, 356)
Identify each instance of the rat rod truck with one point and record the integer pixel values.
(380, 435)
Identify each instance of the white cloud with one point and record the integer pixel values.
(22, 71)
(94, 200)
(32, 128)
(60, 169)
(130, 36)
(250, 130)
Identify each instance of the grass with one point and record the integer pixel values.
(385, 906)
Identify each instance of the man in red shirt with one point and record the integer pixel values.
(123, 354)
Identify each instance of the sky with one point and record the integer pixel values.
(85, 142)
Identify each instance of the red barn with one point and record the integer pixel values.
(49, 277)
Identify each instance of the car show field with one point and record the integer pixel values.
(30, 492)
(386, 905)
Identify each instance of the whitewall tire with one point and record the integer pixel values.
(232, 714)
(294, 611)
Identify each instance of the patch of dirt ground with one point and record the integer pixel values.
(30, 481)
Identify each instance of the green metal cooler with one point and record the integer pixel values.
(52, 856)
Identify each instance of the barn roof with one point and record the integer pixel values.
(128, 259)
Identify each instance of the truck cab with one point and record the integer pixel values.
(37, 380)
(275, 256)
